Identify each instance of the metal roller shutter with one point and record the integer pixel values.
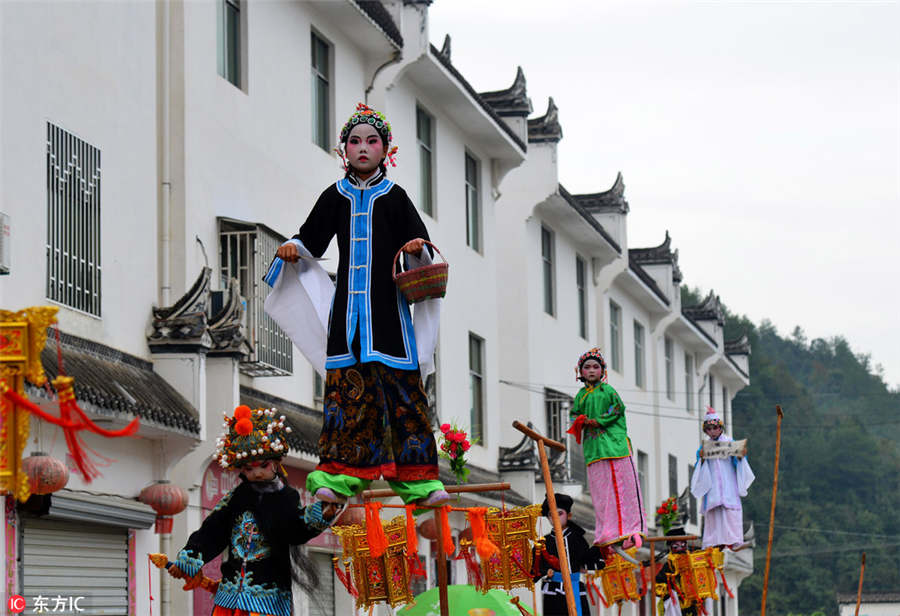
(323, 603)
(69, 559)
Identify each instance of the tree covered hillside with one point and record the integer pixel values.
(839, 474)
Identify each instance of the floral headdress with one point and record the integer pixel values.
(712, 418)
(366, 115)
(250, 436)
(592, 354)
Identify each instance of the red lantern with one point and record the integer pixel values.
(167, 500)
(428, 528)
(45, 474)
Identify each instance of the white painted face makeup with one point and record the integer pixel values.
(365, 150)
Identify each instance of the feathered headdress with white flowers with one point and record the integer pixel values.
(251, 435)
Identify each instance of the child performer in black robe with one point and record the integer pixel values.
(581, 556)
(259, 524)
(375, 415)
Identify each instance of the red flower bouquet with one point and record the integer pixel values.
(667, 513)
(454, 445)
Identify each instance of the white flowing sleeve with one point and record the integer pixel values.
(300, 302)
(426, 321)
(701, 481)
(745, 476)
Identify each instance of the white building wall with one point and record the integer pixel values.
(89, 69)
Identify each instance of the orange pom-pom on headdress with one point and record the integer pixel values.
(242, 412)
(243, 426)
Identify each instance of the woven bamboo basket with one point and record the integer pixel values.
(426, 282)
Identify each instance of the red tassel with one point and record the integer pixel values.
(443, 520)
(472, 567)
(644, 577)
(483, 544)
(345, 578)
(725, 583)
(374, 530)
(577, 427)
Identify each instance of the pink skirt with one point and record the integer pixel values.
(618, 505)
(722, 526)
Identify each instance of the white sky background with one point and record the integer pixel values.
(765, 136)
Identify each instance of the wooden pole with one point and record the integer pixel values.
(441, 567)
(862, 571)
(474, 487)
(554, 514)
(652, 541)
(765, 590)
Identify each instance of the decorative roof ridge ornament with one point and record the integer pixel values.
(446, 47)
(513, 101)
(710, 309)
(185, 322)
(226, 326)
(611, 200)
(738, 346)
(658, 255)
(546, 128)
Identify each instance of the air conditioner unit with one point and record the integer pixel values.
(4, 244)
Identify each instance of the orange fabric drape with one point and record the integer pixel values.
(374, 530)
(444, 521)
(483, 545)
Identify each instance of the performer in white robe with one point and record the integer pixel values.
(720, 483)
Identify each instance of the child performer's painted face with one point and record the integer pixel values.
(263, 470)
(591, 371)
(713, 430)
(365, 149)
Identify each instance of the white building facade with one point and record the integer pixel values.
(154, 156)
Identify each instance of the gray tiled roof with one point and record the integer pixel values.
(305, 423)
(375, 11)
(445, 61)
(116, 383)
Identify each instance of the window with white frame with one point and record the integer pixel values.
(724, 401)
(581, 284)
(425, 139)
(673, 475)
(615, 336)
(320, 54)
(476, 387)
(639, 354)
(643, 464)
(556, 408)
(228, 40)
(670, 368)
(689, 382)
(245, 252)
(547, 249)
(473, 204)
(73, 221)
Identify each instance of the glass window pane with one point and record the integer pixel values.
(232, 45)
(425, 180)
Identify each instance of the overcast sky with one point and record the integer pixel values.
(765, 136)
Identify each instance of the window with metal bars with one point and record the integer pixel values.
(245, 252)
(556, 406)
(73, 221)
